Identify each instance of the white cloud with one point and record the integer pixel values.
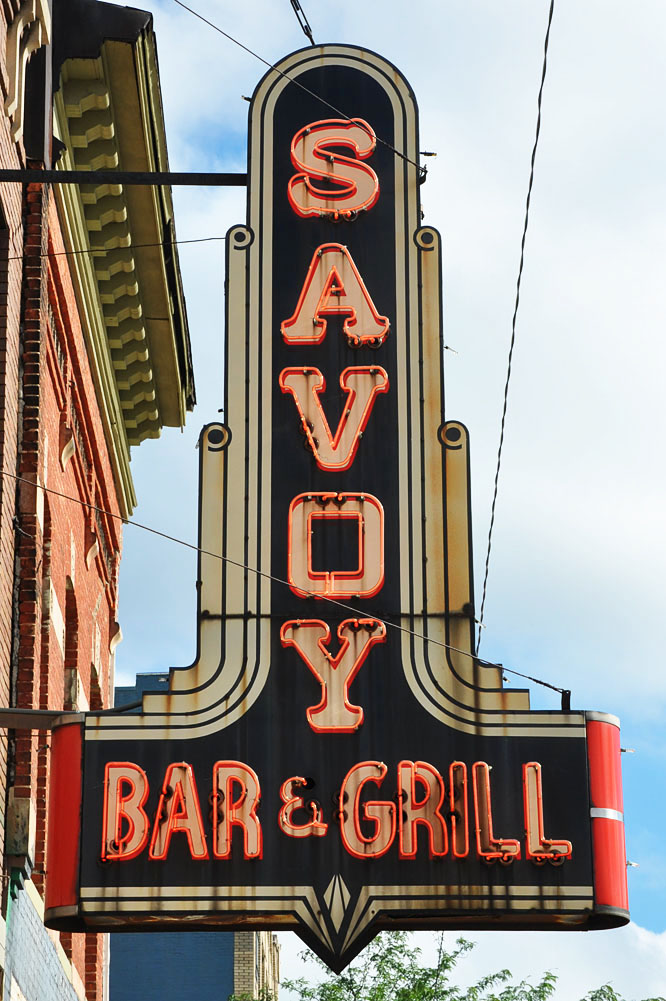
(631, 959)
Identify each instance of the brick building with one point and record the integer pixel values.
(256, 964)
(94, 358)
(208, 966)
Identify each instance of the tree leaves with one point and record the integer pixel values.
(390, 969)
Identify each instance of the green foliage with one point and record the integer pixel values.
(390, 969)
(263, 995)
(606, 993)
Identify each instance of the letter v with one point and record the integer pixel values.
(361, 383)
(334, 713)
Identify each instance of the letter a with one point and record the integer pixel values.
(361, 383)
(178, 812)
(334, 713)
(333, 287)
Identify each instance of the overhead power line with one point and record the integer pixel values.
(564, 692)
(134, 177)
(130, 247)
(421, 169)
(223, 179)
(513, 326)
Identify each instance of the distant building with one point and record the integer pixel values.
(171, 966)
(206, 966)
(94, 357)
(256, 963)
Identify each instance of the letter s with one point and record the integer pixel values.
(350, 185)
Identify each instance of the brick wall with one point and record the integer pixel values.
(34, 965)
(57, 591)
(59, 554)
(68, 552)
(11, 249)
(256, 964)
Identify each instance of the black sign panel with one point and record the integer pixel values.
(337, 760)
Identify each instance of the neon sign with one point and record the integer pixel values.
(336, 760)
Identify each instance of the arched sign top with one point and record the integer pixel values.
(335, 149)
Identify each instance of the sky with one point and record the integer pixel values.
(575, 592)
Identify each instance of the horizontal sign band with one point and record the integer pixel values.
(606, 814)
(595, 717)
(90, 893)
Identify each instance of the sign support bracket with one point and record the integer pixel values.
(146, 178)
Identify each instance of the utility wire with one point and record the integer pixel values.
(302, 20)
(278, 580)
(421, 169)
(111, 250)
(513, 324)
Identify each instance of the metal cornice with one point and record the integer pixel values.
(153, 103)
(108, 114)
(93, 143)
(82, 267)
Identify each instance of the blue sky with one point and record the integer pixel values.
(576, 580)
